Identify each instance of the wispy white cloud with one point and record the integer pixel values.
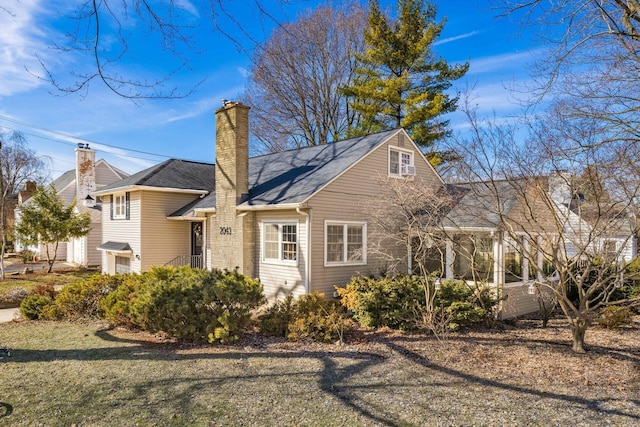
(187, 6)
(498, 63)
(21, 38)
(454, 38)
(244, 72)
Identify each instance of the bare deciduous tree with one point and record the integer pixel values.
(18, 164)
(101, 42)
(580, 215)
(590, 68)
(294, 83)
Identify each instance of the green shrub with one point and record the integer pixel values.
(116, 305)
(310, 317)
(400, 302)
(465, 305)
(613, 317)
(33, 305)
(275, 321)
(318, 319)
(388, 301)
(82, 298)
(26, 256)
(194, 305)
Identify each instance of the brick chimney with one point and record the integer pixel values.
(232, 152)
(232, 232)
(85, 171)
(29, 189)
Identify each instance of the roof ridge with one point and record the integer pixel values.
(323, 145)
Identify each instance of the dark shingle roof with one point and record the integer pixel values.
(207, 202)
(293, 176)
(173, 173)
(482, 204)
(284, 177)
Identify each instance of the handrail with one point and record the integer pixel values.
(194, 261)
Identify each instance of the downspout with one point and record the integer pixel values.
(307, 261)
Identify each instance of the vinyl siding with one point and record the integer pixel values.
(68, 193)
(342, 201)
(93, 240)
(104, 175)
(161, 239)
(122, 230)
(280, 280)
(518, 301)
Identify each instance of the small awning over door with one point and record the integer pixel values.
(116, 247)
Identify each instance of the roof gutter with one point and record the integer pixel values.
(282, 206)
(148, 188)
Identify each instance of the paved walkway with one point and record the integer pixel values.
(8, 314)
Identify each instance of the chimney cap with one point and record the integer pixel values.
(83, 145)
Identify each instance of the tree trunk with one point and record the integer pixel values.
(578, 330)
(2, 258)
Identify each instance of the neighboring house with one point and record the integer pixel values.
(291, 219)
(77, 184)
(609, 234)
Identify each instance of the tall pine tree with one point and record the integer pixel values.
(400, 82)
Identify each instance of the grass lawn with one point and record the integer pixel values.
(63, 374)
(58, 277)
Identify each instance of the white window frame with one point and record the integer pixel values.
(280, 260)
(120, 205)
(345, 225)
(410, 164)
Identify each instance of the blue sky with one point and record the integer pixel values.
(151, 131)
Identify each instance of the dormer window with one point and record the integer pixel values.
(401, 162)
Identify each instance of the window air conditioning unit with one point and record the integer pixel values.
(408, 170)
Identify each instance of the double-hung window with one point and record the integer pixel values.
(120, 206)
(280, 242)
(345, 243)
(401, 162)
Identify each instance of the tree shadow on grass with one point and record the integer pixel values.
(560, 346)
(340, 374)
(587, 404)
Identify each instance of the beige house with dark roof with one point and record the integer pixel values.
(295, 220)
(291, 219)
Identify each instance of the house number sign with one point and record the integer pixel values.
(225, 231)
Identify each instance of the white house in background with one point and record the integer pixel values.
(613, 237)
(77, 184)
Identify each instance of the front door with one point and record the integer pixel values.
(196, 245)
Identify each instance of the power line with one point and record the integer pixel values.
(63, 135)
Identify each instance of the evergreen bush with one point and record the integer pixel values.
(309, 317)
(33, 305)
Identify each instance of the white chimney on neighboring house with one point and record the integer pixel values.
(560, 187)
(85, 172)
